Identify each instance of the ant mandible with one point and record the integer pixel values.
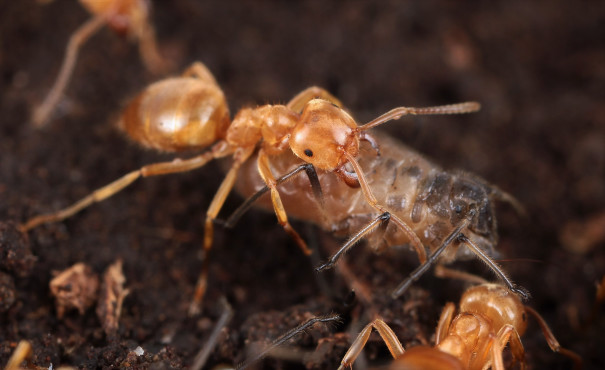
(489, 317)
(130, 17)
(190, 112)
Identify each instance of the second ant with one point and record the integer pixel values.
(489, 317)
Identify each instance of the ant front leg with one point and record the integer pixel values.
(265, 172)
(239, 157)
(387, 335)
(221, 149)
(79, 37)
(445, 320)
(506, 334)
(298, 102)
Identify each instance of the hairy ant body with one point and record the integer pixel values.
(130, 17)
(190, 112)
(489, 317)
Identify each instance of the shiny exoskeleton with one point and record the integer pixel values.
(190, 112)
(489, 317)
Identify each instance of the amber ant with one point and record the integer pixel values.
(190, 112)
(129, 17)
(489, 317)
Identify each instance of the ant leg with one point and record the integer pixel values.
(287, 336)
(553, 343)
(298, 102)
(42, 112)
(460, 108)
(200, 71)
(313, 179)
(265, 172)
(148, 48)
(506, 334)
(204, 353)
(445, 320)
(420, 270)
(239, 157)
(494, 267)
(448, 273)
(162, 168)
(381, 220)
(371, 199)
(387, 335)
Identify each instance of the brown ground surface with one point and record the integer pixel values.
(537, 67)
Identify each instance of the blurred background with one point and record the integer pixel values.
(537, 68)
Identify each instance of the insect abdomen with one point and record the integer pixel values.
(177, 114)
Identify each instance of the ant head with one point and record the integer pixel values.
(323, 133)
(498, 304)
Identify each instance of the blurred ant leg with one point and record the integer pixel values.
(313, 179)
(22, 353)
(148, 48)
(508, 334)
(265, 172)
(505, 335)
(553, 343)
(448, 273)
(494, 267)
(393, 114)
(199, 71)
(155, 169)
(239, 157)
(362, 292)
(42, 112)
(420, 270)
(381, 220)
(387, 335)
(447, 314)
(287, 336)
(204, 353)
(298, 102)
(371, 199)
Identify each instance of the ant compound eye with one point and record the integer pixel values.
(458, 208)
(308, 152)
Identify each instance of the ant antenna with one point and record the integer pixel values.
(460, 108)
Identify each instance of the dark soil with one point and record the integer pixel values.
(538, 68)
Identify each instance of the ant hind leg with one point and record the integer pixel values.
(155, 169)
(79, 37)
(387, 335)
